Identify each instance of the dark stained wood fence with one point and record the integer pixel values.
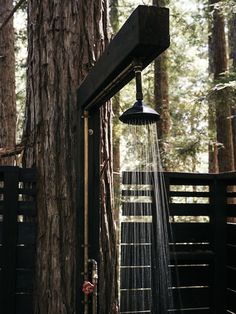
(17, 240)
(230, 199)
(202, 211)
(203, 219)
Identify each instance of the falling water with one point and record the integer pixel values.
(144, 274)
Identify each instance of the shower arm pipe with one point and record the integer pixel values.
(86, 259)
(138, 79)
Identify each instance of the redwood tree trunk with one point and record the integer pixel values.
(7, 83)
(218, 65)
(108, 257)
(114, 21)
(65, 39)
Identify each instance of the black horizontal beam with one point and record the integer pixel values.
(144, 36)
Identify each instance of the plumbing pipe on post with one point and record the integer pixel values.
(85, 207)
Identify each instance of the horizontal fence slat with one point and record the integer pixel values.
(136, 193)
(135, 300)
(231, 255)
(189, 179)
(25, 256)
(130, 252)
(231, 194)
(191, 257)
(136, 232)
(136, 209)
(202, 310)
(231, 278)
(231, 210)
(192, 297)
(24, 281)
(137, 178)
(27, 191)
(189, 209)
(26, 232)
(27, 175)
(135, 278)
(188, 194)
(231, 297)
(24, 303)
(198, 248)
(191, 232)
(231, 234)
(191, 275)
(26, 208)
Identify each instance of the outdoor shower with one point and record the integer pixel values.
(143, 37)
(140, 113)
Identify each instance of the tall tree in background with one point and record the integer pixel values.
(218, 67)
(161, 94)
(114, 20)
(7, 83)
(65, 38)
(232, 58)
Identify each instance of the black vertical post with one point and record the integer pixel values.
(94, 187)
(218, 228)
(80, 212)
(9, 240)
(94, 184)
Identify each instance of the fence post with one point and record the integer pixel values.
(218, 223)
(9, 240)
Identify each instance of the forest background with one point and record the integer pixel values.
(188, 86)
(192, 85)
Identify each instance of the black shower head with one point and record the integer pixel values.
(139, 114)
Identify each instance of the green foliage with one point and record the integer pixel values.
(188, 83)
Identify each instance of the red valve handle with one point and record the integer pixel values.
(88, 287)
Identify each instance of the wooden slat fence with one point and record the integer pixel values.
(229, 180)
(198, 211)
(17, 240)
(203, 220)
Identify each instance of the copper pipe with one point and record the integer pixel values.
(85, 206)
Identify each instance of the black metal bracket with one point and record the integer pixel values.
(144, 36)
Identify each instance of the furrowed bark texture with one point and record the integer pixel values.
(218, 66)
(232, 57)
(7, 83)
(108, 257)
(65, 39)
(116, 131)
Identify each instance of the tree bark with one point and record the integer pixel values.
(7, 83)
(218, 66)
(114, 21)
(108, 263)
(65, 39)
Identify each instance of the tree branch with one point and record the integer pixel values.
(11, 151)
(16, 7)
